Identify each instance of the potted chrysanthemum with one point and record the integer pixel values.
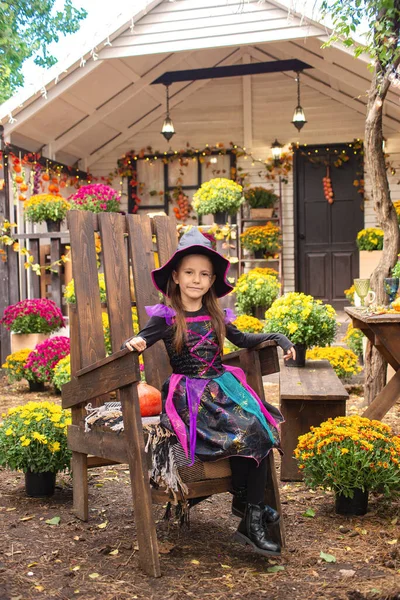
(351, 456)
(307, 322)
(33, 439)
(31, 322)
(51, 208)
(256, 291)
(45, 356)
(218, 197)
(262, 239)
(261, 202)
(96, 198)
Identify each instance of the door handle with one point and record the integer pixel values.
(302, 236)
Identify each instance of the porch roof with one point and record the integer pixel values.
(96, 108)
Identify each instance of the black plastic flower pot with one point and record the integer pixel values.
(40, 485)
(358, 505)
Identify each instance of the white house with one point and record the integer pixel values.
(104, 105)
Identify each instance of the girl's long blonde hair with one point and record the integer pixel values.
(210, 302)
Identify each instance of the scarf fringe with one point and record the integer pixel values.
(159, 443)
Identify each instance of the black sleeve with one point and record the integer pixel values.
(152, 332)
(248, 340)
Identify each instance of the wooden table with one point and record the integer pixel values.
(308, 396)
(383, 331)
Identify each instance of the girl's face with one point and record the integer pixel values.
(195, 277)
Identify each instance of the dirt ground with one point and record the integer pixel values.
(98, 559)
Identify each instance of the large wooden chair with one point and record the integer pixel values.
(128, 251)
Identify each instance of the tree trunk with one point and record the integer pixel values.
(375, 366)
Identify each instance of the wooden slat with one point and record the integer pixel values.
(111, 376)
(317, 381)
(34, 280)
(385, 400)
(104, 444)
(79, 459)
(91, 337)
(367, 331)
(388, 335)
(55, 253)
(140, 484)
(116, 272)
(196, 489)
(167, 238)
(156, 363)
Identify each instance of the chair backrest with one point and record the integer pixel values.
(127, 251)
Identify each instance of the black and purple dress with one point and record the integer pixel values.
(209, 406)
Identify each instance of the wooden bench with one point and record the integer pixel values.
(128, 252)
(308, 396)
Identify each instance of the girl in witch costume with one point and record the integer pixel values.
(209, 406)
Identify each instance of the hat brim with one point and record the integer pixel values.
(221, 266)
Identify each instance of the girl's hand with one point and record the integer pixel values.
(291, 353)
(136, 343)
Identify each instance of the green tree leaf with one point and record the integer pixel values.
(330, 558)
(53, 521)
(27, 27)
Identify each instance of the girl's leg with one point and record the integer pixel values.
(256, 481)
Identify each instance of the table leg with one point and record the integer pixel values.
(385, 399)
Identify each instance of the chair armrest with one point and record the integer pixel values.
(267, 354)
(111, 373)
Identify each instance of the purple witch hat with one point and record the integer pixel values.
(194, 242)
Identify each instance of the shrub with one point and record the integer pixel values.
(33, 316)
(343, 361)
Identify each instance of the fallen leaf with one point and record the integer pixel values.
(32, 565)
(165, 547)
(226, 566)
(275, 569)
(76, 568)
(347, 573)
(10, 509)
(392, 542)
(114, 552)
(330, 558)
(195, 562)
(53, 521)
(94, 575)
(103, 525)
(76, 538)
(39, 588)
(394, 521)
(309, 513)
(27, 518)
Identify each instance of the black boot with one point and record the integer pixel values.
(251, 531)
(270, 515)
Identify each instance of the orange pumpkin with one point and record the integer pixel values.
(19, 179)
(17, 168)
(149, 400)
(46, 177)
(23, 187)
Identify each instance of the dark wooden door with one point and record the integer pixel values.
(326, 251)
